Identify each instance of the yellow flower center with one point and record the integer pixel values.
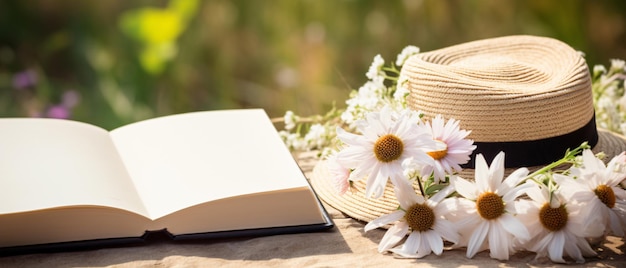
(388, 148)
(440, 152)
(553, 219)
(606, 195)
(420, 217)
(490, 205)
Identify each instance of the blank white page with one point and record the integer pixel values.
(183, 160)
(48, 163)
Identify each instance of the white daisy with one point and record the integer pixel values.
(555, 225)
(489, 204)
(453, 149)
(598, 186)
(424, 221)
(378, 152)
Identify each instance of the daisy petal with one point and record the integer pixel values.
(514, 193)
(496, 172)
(384, 220)
(376, 183)
(512, 180)
(406, 196)
(404, 254)
(616, 224)
(447, 230)
(584, 246)
(393, 236)
(435, 242)
(481, 174)
(590, 161)
(514, 227)
(498, 242)
(345, 136)
(555, 248)
(572, 250)
(536, 194)
(467, 220)
(464, 187)
(412, 243)
(424, 248)
(541, 245)
(439, 196)
(477, 239)
(362, 170)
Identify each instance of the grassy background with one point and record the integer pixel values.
(110, 63)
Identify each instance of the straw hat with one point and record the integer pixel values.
(525, 95)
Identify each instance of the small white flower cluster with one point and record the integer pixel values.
(609, 98)
(313, 133)
(385, 87)
(374, 94)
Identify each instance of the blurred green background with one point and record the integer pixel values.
(111, 63)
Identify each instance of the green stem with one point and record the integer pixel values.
(391, 78)
(569, 155)
(390, 69)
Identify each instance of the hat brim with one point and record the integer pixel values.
(356, 205)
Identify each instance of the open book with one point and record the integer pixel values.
(200, 174)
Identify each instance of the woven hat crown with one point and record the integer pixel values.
(506, 90)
